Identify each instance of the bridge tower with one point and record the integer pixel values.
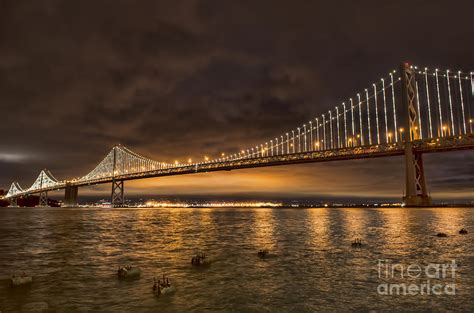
(70, 195)
(13, 202)
(43, 199)
(416, 192)
(43, 196)
(117, 198)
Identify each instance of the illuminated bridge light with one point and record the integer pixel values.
(444, 109)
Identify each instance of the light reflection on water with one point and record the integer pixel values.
(74, 253)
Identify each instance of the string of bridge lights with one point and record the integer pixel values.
(122, 161)
(296, 141)
(290, 142)
(351, 126)
(448, 76)
(44, 180)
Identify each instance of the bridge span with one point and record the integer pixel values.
(410, 113)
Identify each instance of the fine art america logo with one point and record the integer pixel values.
(415, 279)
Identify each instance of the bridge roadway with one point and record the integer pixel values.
(443, 144)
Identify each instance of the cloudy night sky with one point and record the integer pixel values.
(174, 80)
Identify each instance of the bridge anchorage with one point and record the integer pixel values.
(434, 109)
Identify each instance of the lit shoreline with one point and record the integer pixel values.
(236, 204)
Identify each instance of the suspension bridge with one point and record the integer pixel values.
(410, 112)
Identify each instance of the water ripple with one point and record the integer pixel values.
(73, 255)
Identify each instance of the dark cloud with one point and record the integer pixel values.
(183, 79)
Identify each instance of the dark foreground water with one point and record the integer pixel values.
(73, 255)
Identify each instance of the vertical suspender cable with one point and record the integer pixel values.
(394, 108)
(330, 128)
(385, 110)
(428, 104)
(337, 121)
(439, 105)
(324, 132)
(345, 125)
(317, 133)
(462, 103)
(450, 103)
(360, 121)
(304, 130)
(376, 114)
(352, 116)
(418, 107)
(368, 116)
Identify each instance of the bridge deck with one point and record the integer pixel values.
(383, 150)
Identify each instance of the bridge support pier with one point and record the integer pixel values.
(117, 194)
(13, 202)
(70, 196)
(416, 191)
(43, 199)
